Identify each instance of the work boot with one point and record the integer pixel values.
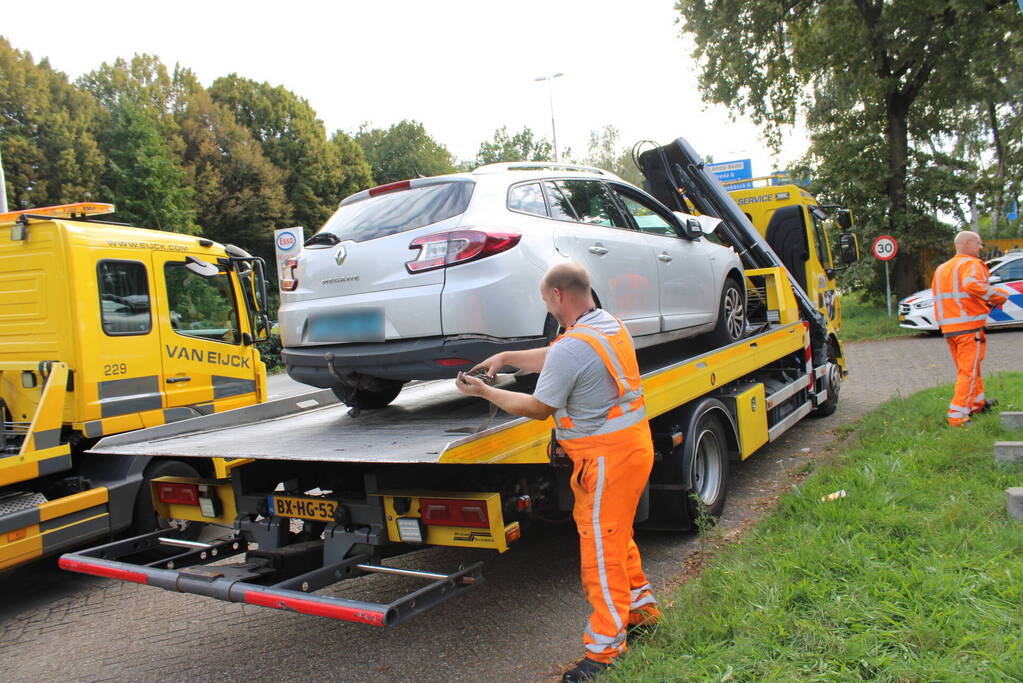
(585, 670)
(988, 406)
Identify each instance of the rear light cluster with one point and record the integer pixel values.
(443, 249)
(445, 512)
(202, 495)
(289, 282)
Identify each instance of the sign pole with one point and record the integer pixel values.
(887, 290)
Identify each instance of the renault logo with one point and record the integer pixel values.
(341, 255)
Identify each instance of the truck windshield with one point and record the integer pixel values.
(201, 306)
(394, 212)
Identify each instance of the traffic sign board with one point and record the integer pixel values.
(885, 247)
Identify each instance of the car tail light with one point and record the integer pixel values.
(444, 512)
(452, 362)
(390, 187)
(443, 249)
(289, 283)
(182, 494)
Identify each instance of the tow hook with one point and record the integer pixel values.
(349, 399)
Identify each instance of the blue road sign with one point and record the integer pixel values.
(735, 170)
(1013, 211)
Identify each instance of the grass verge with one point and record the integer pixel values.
(917, 575)
(863, 321)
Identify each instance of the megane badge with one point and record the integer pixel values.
(341, 255)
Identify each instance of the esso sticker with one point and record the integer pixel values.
(286, 241)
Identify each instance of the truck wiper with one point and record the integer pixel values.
(323, 238)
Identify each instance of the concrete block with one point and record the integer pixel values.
(1009, 451)
(1014, 501)
(1012, 420)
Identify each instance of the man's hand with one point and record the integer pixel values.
(469, 385)
(490, 367)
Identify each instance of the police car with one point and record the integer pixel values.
(916, 312)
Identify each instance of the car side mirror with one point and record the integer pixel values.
(844, 218)
(693, 227)
(849, 248)
(994, 279)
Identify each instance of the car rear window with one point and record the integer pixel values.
(394, 212)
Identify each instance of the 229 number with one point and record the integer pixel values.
(115, 369)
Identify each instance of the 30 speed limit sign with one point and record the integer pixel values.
(885, 248)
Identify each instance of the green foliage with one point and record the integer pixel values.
(48, 132)
(522, 146)
(916, 575)
(892, 92)
(358, 175)
(293, 139)
(143, 176)
(865, 317)
(604, 152)
(403, 151)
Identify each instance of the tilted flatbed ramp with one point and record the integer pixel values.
(428, 423)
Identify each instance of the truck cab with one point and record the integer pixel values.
(106, 328)
(801, 232)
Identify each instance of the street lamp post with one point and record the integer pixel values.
(550, 97)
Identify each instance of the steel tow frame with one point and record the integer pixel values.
(188, 572)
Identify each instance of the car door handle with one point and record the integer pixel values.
(598, 250)
(664, 256)
(175, 380)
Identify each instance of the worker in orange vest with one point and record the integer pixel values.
(590, 383)
(962, 300)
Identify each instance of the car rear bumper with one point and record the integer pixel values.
(400, 360)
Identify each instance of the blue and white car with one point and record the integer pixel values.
(916, 312)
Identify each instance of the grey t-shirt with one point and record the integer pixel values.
(574, 376)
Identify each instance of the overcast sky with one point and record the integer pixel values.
(462, 68)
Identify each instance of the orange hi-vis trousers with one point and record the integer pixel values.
(610, 473)
(967, 353)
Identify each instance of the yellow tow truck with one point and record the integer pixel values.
(433, 469)
(107, 328)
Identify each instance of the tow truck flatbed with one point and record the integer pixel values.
(428, 423)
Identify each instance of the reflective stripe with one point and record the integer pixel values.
(601, 643)
(964, 319)
(636, 592)
(598, 541)
(648, 600)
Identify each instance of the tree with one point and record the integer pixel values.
(143, 177)
(239, 193)
(903, 68)
(291, 137)
(523, 146)
(603, 152)
(403, 151)
(47, 133)
(357, 173)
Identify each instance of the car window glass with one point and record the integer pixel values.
(124, 297)
(592, 202)
(528, 199)
(560, 206)
(201, 306)
(1012, 270)
(393, 212)
(647, 217)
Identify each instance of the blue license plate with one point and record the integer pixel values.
(363, 325)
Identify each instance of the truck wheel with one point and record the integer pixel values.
(834, 379)
(731, 324)
(372, 399)
(707, 464)
(144, 517)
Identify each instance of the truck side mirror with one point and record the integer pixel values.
(844, 218)
(849, 248)
(200, 267)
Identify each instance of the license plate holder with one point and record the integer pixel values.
(304, 507)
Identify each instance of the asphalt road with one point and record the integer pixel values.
(523, 624)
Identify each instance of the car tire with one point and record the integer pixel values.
(372, 399)
(731, 323)
(144, 516)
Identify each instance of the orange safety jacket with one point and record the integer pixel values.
(962, 296)
(619, 358)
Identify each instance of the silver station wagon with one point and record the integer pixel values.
(422, 278)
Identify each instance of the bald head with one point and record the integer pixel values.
(569, 277)
(969, 243)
